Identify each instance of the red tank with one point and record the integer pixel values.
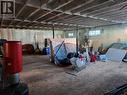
(13, 57)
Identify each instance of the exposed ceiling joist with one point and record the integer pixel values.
(107, 9)
(43, 2)
(102, 4)
(80, 5)
(37, 13)
(70, 9)
(60, 18)
(114, 9)
(25, 3)
(114, 12)
(54, 9)
(69, 13)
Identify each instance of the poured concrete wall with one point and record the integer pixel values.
(28, 36)
(110, 34)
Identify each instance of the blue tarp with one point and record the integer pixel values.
(61, 53)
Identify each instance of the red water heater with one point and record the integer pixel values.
(12, 57)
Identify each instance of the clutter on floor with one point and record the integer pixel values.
(117, 52)
(37, 50)
(64, 53)
(46, 49)
(103, 58)
(61, 49)
(48, 79)
(28, 49)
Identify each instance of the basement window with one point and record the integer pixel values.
(70, 34)
(94, 32)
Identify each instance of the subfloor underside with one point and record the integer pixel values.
(44, 78)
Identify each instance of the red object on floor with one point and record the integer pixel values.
(28, 49)
(12, 57)
(81, 57)
(92, 58)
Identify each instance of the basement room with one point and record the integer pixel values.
(63, 47)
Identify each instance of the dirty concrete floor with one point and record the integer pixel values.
(44, 78)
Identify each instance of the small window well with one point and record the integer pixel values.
(70, 34)
(94, 32)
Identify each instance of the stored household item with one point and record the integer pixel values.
(125, 58)
(2, 41)
(92, 56)
(46, 51)
(71, 55)
(60, 49)
(12, 57)
(61, 55)
(103, 58)
(11, 65)
(87, 54)
(46, 42)
(78, 63)
(101, 49)
(28, 49)
(116, 54)
(37, 50)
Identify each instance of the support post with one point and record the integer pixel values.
(53, 31)
(77, 40)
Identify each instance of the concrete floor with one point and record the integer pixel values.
(44, 78)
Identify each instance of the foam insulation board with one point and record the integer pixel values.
(115, 54)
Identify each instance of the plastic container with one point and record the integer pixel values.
(46, 51)
(12, 57)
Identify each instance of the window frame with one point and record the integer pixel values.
(93, 33)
